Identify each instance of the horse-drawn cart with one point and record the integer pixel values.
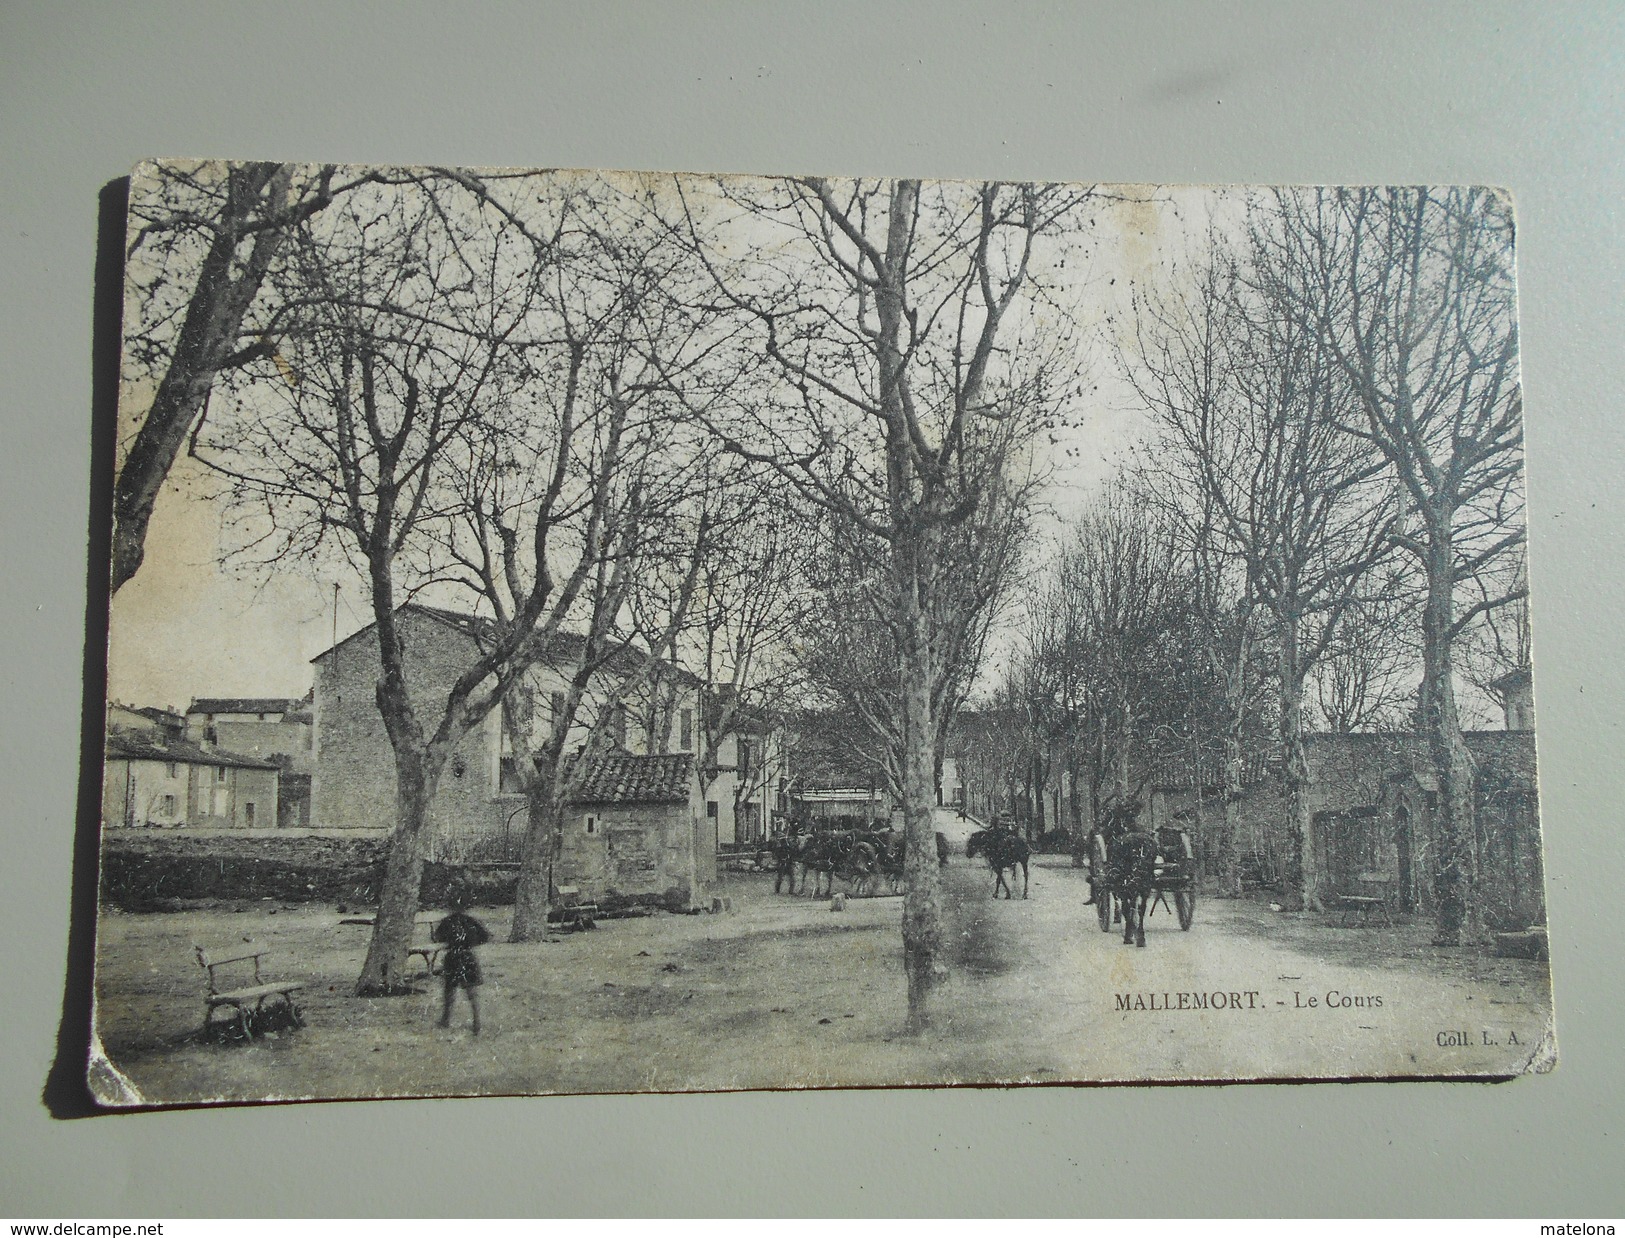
(1174, 873)
(860, 858)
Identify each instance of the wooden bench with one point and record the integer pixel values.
(424, 946)
(1372, 892)
(246, 997)
(568, 911)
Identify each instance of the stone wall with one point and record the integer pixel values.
(1372, 800)
(147, 870)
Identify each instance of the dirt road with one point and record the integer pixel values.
(784, 992)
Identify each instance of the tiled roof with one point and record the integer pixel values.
(1516, 678)
(622, 778)
(246, 705)
(563, 647)
(134, 748)
(153, 713)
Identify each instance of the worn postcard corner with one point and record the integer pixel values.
(610, 632)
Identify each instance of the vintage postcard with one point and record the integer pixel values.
(608, 632)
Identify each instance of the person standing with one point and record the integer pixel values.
(461, 934)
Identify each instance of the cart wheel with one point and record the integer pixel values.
(1097, 882)
(861, 868)
(1185, 905)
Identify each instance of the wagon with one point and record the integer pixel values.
(849, 855)
(855, 856)
(1175, 874)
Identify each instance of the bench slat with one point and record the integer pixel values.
(211, 959)
(259, 990)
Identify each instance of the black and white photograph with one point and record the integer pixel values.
(605, 632)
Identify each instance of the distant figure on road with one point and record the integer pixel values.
(460, 969)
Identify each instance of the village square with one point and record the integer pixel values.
(823, 633)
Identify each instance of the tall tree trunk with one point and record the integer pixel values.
(1456, 873)
(384, 971)
(1234, 775)
(1075, 817)
(1230, 857)
(1123, 743)
(922, 904)
(1303, 864)
(533, 894)
(1039, 780)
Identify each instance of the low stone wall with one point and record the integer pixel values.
(153, 870)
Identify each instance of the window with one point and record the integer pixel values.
(219, 773)
(555, 705)
(745, 747)
(592, 825)
(686, 730)
(710, 808)
(248, 813)
(166, 805)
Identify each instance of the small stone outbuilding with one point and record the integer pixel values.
(636, 830)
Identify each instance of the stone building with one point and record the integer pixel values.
(637, 830)
(1517, 692)
(147, 721)
(745, 784)
(278, 729)
(479, 805)
(148, 782)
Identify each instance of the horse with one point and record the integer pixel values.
(1131, 875)
(1005, 851)
(1115, 824)
(890, 850)
(844, 853)
(784, 850)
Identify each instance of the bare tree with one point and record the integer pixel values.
(1250, 408)
(1412, 291)
(849, 653)
(902, 379)
(438, 414)
(1120, 578)
(619, 342)
(752, 606)
(1366, 679)
(989, 745)
(1186, 380)
(203, 237)
(1498, 642)
(610, 670)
